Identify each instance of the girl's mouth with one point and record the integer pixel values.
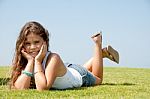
(33, 54)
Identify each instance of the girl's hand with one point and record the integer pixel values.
(42, 53)
(26, 55)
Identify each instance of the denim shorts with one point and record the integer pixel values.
(87, 78)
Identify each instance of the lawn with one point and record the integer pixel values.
(119, 83)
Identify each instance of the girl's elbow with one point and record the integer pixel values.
(42, 88)
(20, 87)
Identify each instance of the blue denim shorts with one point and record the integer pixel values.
(87, 78)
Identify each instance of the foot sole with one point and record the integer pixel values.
(96, 35)
(114, 54)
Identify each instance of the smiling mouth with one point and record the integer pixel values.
(33, 54)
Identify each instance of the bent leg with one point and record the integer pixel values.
(88, 64)
(113, 55)
(95, 64)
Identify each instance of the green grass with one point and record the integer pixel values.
(119, 83)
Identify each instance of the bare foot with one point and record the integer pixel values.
(104, 52)
(114, 54)
(97, 38)
(110, 53)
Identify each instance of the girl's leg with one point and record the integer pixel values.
(112, 54)
(95, 64)
(88, 64)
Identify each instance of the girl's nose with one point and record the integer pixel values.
(33, 46)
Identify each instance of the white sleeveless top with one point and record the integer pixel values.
(71, 79)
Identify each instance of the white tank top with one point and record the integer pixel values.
(71, 79)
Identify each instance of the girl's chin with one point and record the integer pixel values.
(33, 55)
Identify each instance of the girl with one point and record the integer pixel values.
(36, 67)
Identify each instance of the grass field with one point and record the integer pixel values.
(119, 83)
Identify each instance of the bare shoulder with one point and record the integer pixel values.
(53, 58)
(53, 55)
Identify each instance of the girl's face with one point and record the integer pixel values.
(33, 44)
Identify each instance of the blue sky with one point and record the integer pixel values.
(125, 25)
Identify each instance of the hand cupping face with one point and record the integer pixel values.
(26, 55)
(41, 53)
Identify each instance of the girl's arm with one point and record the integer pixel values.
(44, 80)
(23, 81)
(40, 79)
(39, 75)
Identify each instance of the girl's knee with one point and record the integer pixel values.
(98, 81)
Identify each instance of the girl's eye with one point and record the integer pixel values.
(27, 43)
(36, 42)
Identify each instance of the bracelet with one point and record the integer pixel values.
(27, 73)
(37, 72)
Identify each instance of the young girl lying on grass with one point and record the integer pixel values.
(34, 66)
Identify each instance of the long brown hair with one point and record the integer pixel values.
(19, 62)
